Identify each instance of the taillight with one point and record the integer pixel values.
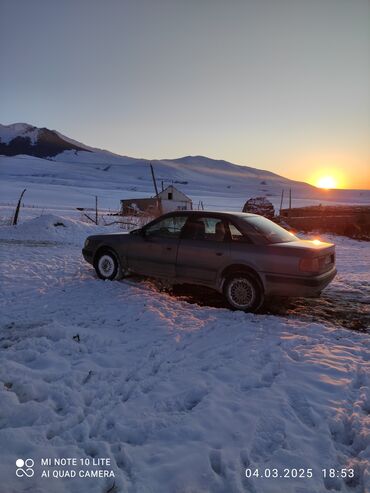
(309, 264)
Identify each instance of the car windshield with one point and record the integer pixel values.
(272, 232)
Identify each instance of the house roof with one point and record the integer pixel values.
(171, 188)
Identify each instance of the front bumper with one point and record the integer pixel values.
(88, 255)
(293, 286)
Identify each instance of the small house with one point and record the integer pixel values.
(170, 199)
(174, 200)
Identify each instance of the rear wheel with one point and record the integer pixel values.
(107, 266)
(243, 292)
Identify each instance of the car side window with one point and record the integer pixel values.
(237, 235)
(167, 228)
(206, 228)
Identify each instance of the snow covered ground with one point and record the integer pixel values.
(73, 180)
(181, 398)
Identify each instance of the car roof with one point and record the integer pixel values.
(210, 213)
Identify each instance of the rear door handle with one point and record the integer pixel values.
(168, 248)
(219, 254)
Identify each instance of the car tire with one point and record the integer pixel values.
(107, 266)
(243, 292)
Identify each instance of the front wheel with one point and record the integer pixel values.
(243, 292)
(107, 266)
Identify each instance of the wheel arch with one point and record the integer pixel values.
(240, 269)
(103, 249)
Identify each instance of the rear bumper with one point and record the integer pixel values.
(294, 286)
(87, 255)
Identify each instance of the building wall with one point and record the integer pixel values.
(158, 204)
(175, 205)
(350, 225)
(132, 206)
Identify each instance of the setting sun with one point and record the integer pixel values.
(328, 172)
(327, 182)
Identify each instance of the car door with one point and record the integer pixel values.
(154, 252)
(203, 249)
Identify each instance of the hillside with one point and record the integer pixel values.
(24, 139)
(60, 172)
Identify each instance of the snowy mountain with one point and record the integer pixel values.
(21, 138)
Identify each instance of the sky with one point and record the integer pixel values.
(282, 85)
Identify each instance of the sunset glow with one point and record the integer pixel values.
(328, 176)
(327, 182)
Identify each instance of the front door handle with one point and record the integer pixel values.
(168, 248)
(219, 254)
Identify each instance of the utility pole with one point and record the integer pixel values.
(159, 205)
(96, 209)
(290, 198)
(281, 201)
(154, 182)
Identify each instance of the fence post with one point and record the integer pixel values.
(16, 214)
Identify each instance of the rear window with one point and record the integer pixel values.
(273, 233)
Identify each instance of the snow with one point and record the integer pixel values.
(181, 397)
(74, 179)
(180, 394)
(10, 132)
(49, 228)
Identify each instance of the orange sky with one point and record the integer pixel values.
(280, 85)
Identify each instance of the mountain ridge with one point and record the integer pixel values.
(41, 142)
